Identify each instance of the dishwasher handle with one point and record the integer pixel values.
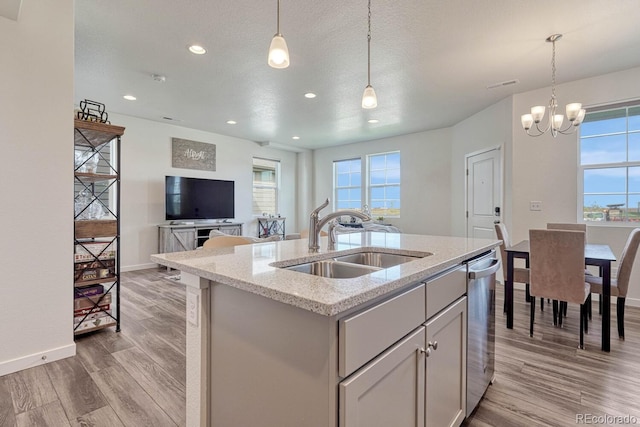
(479, 274)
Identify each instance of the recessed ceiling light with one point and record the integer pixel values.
(373, 121)
(310, 95)
(231, 122)
(198, 50)
(129, 97)
(295, 137)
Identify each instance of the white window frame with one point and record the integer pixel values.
(370, 186)
(277, 185)
(335, 182)
(626, 164)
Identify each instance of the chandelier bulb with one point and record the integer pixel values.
(557, 121)
(537, 113)
(573, 110)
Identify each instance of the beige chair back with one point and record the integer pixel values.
(566, 226)
(503, 234)
(556, 265)
(225, 241)
(626, 261)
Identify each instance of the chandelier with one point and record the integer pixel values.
(575, 112)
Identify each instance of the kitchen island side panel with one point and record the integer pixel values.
(271, 364)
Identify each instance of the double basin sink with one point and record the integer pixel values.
(353, 265)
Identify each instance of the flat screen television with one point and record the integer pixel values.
(198, 198)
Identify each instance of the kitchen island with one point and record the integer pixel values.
(270, 346)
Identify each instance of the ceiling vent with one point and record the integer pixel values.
(505, 83)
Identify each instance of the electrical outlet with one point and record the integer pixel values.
(192, 308)
(535, 206)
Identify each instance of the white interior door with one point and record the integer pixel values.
(484, 192)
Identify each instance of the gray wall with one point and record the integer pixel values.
(146, 159)
(425, 184)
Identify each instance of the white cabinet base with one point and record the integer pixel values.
(447, 366)
(389, 391)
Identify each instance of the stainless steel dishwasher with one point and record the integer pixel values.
(481, 284)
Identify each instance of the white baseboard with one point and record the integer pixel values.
(138, 267)
(36, 359)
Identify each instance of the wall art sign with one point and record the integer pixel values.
(188, 154)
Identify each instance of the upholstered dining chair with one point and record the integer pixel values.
(570, 226)
(520, 275)
(225, 241)
(556, 271)
(566, 226)
(620, 284)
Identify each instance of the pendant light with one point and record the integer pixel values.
(278, 52)
(369, 99)
(575, 112)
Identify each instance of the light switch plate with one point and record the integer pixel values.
(535, 205)
(192, 308)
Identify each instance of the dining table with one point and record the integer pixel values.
(594, 255)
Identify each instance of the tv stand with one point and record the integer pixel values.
(188, 235)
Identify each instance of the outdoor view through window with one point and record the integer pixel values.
(610, 164)
(382, 185)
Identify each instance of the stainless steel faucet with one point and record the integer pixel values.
(316, 223)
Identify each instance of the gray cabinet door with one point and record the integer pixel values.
(389, 390)
(176, 239)
(446, 366)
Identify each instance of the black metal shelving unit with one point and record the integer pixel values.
(96, 226)
(268, 226)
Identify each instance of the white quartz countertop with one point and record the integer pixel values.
(250, 267)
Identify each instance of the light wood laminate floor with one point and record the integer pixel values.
(137, 377)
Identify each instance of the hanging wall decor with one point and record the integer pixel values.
(188, 154)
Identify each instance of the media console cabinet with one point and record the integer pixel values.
(187, 237)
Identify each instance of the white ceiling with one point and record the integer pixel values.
(431, 61)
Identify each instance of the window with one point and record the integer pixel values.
(347, 187)
(610, 164)
(384, 184)
(266, 177)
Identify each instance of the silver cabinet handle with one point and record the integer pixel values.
(426, 352)
(433, 345)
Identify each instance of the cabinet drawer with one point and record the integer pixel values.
(443, 290)
(365, 335)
